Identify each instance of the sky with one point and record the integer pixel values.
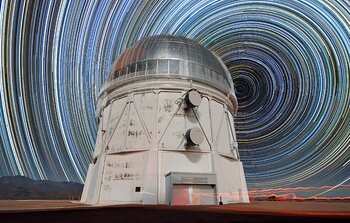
(289, 60)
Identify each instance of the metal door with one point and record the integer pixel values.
(184, 194)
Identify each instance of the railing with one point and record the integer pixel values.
(170, 67)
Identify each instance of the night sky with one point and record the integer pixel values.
(289, 60)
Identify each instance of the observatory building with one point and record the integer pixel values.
(166, 129)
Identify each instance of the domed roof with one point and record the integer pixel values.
(171, 55)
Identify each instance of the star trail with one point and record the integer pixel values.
(289, 61)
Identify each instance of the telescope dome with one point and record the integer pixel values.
(171, 56)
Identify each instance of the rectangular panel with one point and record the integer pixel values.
(225, 138)
(221, 131)
(121, 175)
(203, 195)
(180, 195)
(99, 141)
(117, 141)
(150, 180)
(146, 105)
(94, 175)
(185, 162)
(170, 120)
(231, 183)
(216, 112)
(105, 120)
(137, 138)
(118, 108)
(173, 137)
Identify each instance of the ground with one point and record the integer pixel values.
(269, 211)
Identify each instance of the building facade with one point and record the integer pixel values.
(166, 129)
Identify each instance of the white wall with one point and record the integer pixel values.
(142, 136)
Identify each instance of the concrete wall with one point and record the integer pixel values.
(141, 138)
(151, 120)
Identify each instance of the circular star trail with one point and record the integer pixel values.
(289, 61)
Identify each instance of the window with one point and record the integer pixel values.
(199, 70)
(217, 75)
(137, 189)
(163, 66)
(122, 72)
(140, 66)
(195, 69)
(116, 74)
(206, 73)
(132, 68)
(174, 66)
(191, 68)
(221, 80)
(151, 67)
(183, 67)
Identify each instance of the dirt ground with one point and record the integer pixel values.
(32, 205)
(269, 211)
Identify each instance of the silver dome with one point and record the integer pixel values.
(172, 56)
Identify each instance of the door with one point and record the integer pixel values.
(184, 194)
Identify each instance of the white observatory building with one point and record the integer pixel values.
(166, 129)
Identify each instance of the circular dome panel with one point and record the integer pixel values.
(194, 136)
(193, 99)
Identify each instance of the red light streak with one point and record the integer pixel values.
(296, 188)
(289, 193)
